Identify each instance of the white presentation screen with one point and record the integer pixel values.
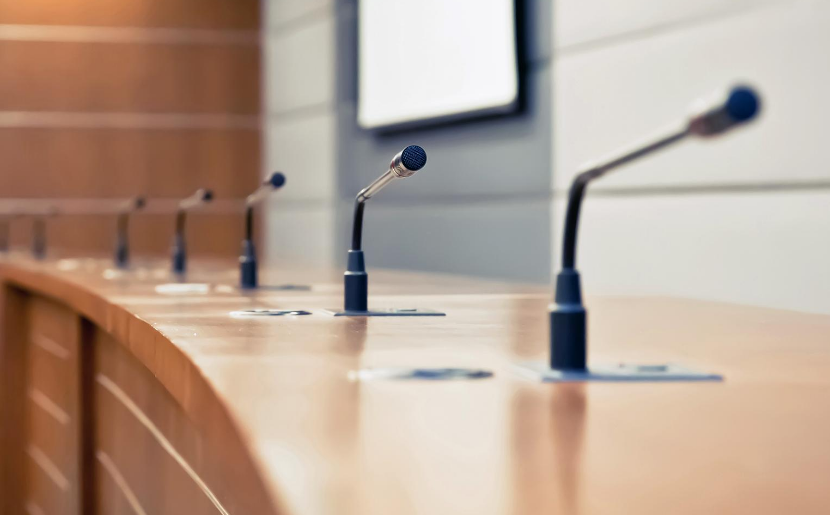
(422, 60)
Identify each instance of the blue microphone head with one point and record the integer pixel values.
(743, 104)
(739, 106)
(276, 180)
(413, 157)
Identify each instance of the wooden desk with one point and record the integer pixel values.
(120, 400)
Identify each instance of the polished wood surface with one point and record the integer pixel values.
(272, 398)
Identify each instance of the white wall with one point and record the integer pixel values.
(299, 99)
(744, 218)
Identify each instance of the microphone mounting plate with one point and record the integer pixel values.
(388, 312)
(419, 374)
(616, 373)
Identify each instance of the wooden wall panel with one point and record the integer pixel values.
(13, 403)
(52, 469)
(129, 77)
(102, 99)
(151, 457)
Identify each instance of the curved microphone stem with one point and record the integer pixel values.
(357, 224)
(581, 181)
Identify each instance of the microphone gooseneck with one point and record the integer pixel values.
(122, 240)
(356, 280)
(568, 316)
(247, 260)
(179, 251)
(580, 184)
(404, 164)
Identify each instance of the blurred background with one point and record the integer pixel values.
(105, 99)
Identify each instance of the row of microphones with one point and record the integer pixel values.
(126, 208)
(568, 317)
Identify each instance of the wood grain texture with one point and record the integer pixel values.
(322, 443)
(107, 77)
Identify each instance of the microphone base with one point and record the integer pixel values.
(248, 266)
(356, 283)
(278, 287)
(620, 373)
(568, 324)
(179, 256)
(356, 294)
(122, 257)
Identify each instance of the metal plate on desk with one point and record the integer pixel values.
(268, 313)
(388, 312)
(621, 372)
(424, 374)
(282, 287)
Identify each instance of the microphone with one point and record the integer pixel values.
(179, 251)
(356, 280)
(39, 237)
(568, 316)
(247, 260)
(122, 240)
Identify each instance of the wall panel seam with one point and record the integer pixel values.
(635, 35)
(89, 34)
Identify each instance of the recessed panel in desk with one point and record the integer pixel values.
(421, 60)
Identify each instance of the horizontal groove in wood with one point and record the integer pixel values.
(51, 346)
(48, 467)
(116, 479)
(132, 78)
(51, 377)
(205, 14)
(151, 35)
(44, 488)
(122, 121)
(48, 406)
(54, 439)
(33, 509)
